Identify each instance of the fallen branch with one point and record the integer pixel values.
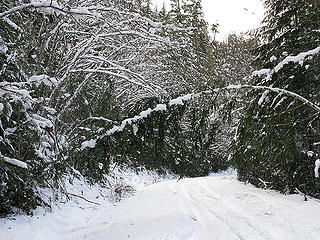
(75, 195)
(181, 100)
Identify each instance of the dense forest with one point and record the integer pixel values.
(86, 85)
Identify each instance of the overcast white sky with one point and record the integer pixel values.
(231, 15)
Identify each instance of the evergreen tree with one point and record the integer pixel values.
(277, 132)
(26, 140)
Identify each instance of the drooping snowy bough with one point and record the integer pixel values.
(300, 58)
(188, 97)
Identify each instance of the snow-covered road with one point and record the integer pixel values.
(206, 209)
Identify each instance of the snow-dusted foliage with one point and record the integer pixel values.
(27, 141)
(173, 58)
(89, 84)
(233, 60)
(279, 128)
(71, 70)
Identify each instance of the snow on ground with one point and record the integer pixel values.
(208, 208)
(68, 217)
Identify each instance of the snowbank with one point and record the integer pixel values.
(88, 205)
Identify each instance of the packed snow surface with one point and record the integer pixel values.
(208, 208)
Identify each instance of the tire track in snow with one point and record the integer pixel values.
(207, 209)
(207, 220)
(229, 210)
(267, 212)
(212, 205)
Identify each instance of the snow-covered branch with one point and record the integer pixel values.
(118, 75)
(48, 4)
(16, 9)
(300, 58)
(180, 101)
(278, 90)
(129, 121)
(14, 161)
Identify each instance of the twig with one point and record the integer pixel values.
(264, 183)
(75, 195)
(301, 193)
